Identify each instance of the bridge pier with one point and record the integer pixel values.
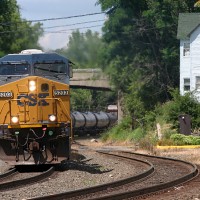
(119, 106)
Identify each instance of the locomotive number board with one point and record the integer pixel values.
(61, 92)
(6, 94)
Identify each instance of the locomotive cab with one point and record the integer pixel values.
(35, 122)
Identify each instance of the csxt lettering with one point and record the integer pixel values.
(33, 100)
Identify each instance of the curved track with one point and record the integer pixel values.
(8, 173)
(157, 176)
(7, 181)
(163, 178)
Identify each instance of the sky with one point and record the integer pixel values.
(58, 37)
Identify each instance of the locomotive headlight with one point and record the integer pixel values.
(15, 119)
(32, 86)
(52, 118)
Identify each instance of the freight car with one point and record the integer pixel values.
(35, 122)
(92, 122)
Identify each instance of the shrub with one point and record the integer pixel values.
(180, 139)
(186, 104)
(136, 135)
(123, 132)
(120, 132)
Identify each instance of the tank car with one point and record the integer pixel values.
(92, 122)
(35, 122)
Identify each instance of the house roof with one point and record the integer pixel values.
(187, 23)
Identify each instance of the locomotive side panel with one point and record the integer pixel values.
(35, 122)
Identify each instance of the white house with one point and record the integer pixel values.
(189, 35)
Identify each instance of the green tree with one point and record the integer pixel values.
(141, 48)
(80, 99)
(83, 49)
(16, 34)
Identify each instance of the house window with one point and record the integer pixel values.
(187, 84)
(197, 82)
(186, 49)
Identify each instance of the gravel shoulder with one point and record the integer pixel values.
(94, 170)
(188, 191)
(87, 169)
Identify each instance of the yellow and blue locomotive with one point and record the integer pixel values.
(35, 122)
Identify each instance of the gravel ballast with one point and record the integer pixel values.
(94, 169)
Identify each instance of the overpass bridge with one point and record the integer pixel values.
(90, 79)
(94, 79)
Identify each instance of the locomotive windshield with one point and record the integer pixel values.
(14, 69)
(50, 69)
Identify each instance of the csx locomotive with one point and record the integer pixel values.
(35, 122)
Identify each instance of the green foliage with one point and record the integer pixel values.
(123, 132)
(168, 133)
(125, 124)
(16, 34)
(120, 132)
(80, 99)
(186, 104)
(167, 114)
(180, 139)
(91, 100)
(136, 135)
(141, 51)
(83, 49)
(134, 102)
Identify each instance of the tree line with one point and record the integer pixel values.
(16, 33)
(138, 48)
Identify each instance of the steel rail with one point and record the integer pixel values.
(18, 183)
(98, 188)
(10, 172)
(156, 188)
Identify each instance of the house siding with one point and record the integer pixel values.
(189, 30)
(184, 66)
(195, 59)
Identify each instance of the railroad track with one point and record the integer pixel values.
(8, 179)
(168, 173)
(157, 176)
(8, 173)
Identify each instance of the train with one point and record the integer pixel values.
(35, 118)
(92, 123)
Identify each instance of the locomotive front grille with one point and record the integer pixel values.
(38, 115)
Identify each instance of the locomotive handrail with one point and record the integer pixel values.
(58, 99)
(67, 114)
(7, 101)
(71, 136)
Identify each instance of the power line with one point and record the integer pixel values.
(65, 31)
(52, 19)
(49, 27)
(60, 31)
(86, 27)
(69, 17)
